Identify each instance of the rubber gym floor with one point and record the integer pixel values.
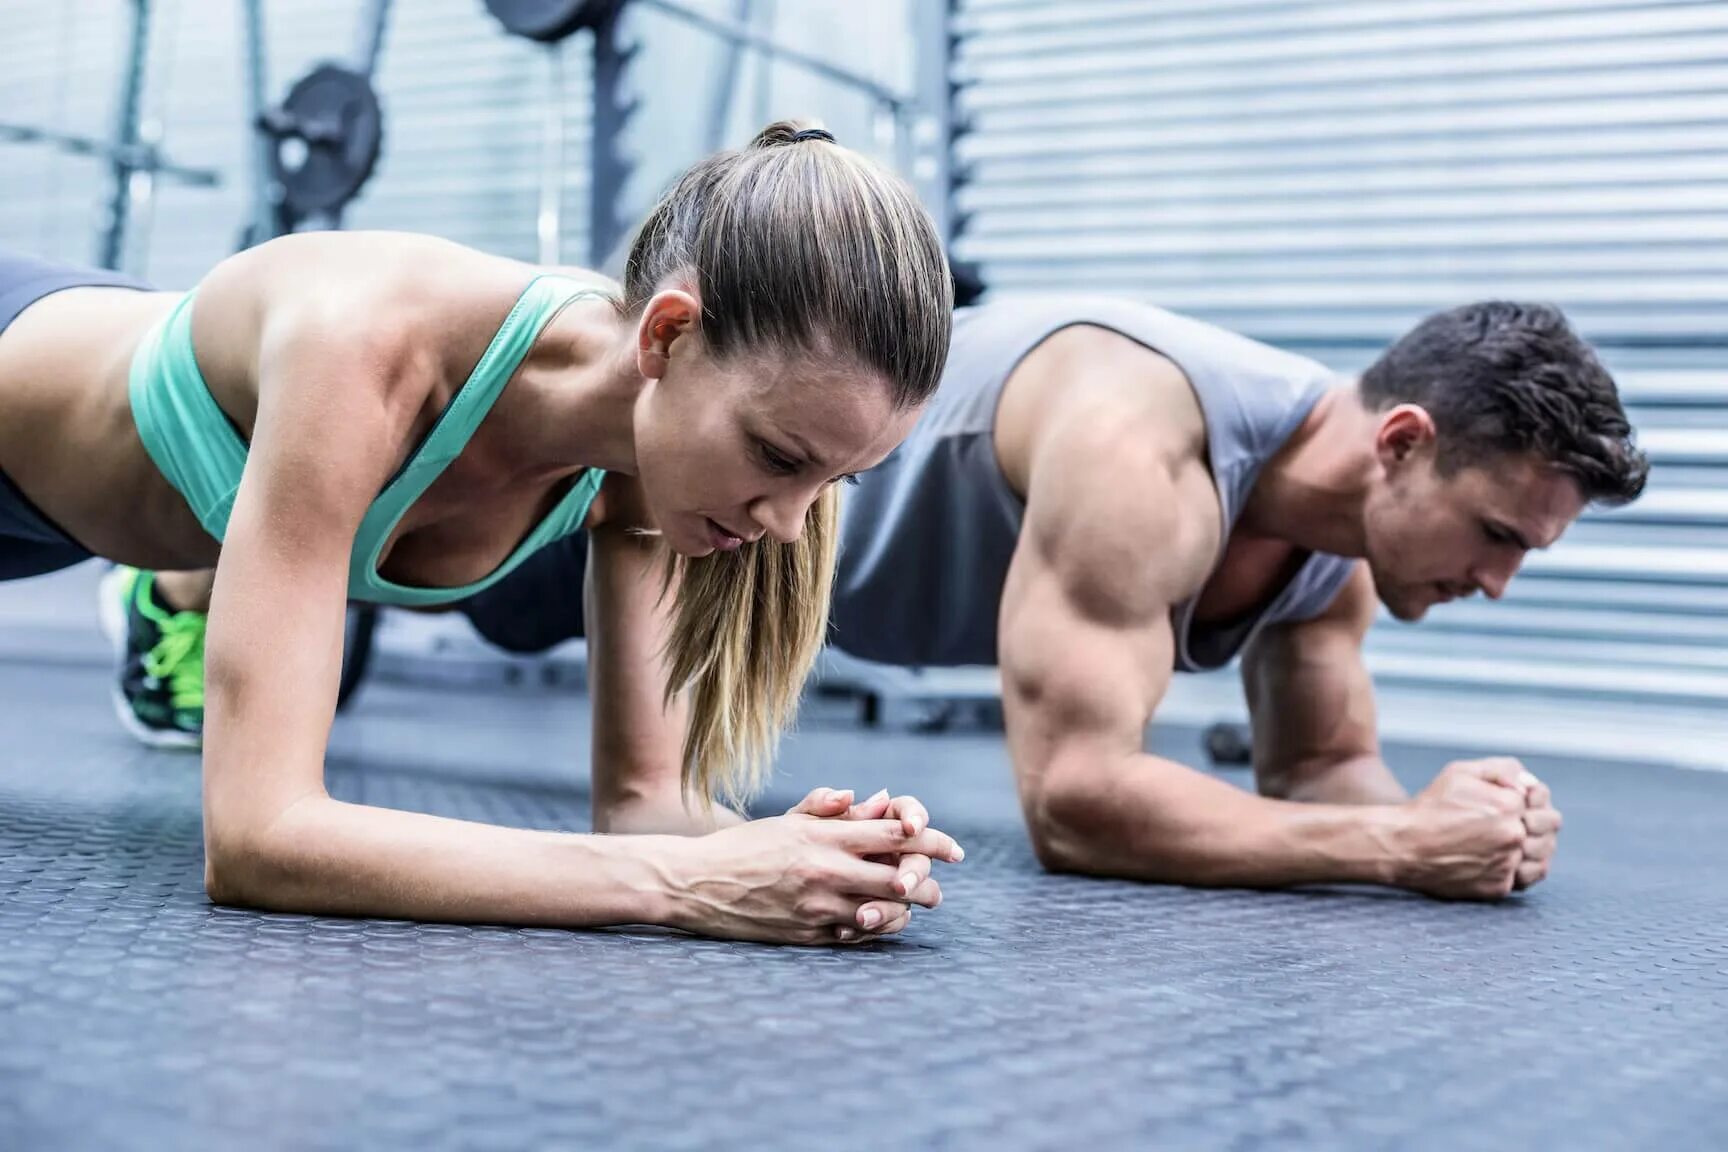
(1030, 1011)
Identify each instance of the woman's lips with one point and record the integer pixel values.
(722, 540)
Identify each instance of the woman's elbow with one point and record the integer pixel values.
(237, 868)
(248, 861)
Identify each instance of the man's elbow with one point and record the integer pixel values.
(1096, 816)
(1064, 817)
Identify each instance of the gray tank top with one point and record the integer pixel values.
(928, 535)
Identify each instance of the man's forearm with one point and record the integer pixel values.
(1148, 818)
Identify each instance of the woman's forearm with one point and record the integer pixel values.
(667, 812)
(329, 857)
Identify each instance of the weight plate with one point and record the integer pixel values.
(549, 21)
(328, 134)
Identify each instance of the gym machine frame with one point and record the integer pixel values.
(128, 153)
(551, 22)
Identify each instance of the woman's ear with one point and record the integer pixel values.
(669, 315)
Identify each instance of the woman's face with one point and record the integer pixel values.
(729, 451)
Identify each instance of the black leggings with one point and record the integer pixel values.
(30, 543)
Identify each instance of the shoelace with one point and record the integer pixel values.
(178, 658)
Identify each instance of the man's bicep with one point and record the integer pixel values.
(1085, 658)
(1086, 644)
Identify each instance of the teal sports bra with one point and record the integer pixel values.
(202, 455)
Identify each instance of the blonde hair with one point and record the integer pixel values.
(796, 245)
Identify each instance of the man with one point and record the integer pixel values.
(1104, 494)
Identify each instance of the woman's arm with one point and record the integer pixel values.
(329, 432)
(331, 425)
(638, 735)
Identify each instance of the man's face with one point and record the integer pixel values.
(1433, 537)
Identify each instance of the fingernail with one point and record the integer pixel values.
(844, 935)
(907, 883)
(870, 917)
(882, 795)
(959, 853)
(844, 794)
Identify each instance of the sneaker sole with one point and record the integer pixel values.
(113, 619)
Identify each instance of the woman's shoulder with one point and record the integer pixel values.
(335, 270)
(390, 292)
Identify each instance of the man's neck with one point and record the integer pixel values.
(1312, 493)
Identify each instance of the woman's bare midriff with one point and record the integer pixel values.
(67, 438)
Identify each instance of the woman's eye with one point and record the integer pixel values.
(778, 463)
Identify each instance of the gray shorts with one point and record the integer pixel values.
(31, 543)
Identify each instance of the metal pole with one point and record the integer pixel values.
(607, 167)
(764, 82)
(266, 196)
(372, 24)
(932, 130)
(124, 159)
(738, 34)
(903, 124)
(372, 36)
(141, 201)
(726, 84)
(548, 225)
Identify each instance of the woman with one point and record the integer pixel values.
(326, 417)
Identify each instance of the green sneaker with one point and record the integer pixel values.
(159, 688)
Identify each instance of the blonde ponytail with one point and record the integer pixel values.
(746, 630)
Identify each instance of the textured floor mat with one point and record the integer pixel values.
(1031, 1011)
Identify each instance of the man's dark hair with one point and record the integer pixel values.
(1504, 378)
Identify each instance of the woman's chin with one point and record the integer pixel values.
(690, 545)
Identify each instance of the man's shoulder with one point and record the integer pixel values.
(1123, 517)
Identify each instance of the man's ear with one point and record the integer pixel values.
(1405, 431)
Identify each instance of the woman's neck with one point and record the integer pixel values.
(572, 402)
